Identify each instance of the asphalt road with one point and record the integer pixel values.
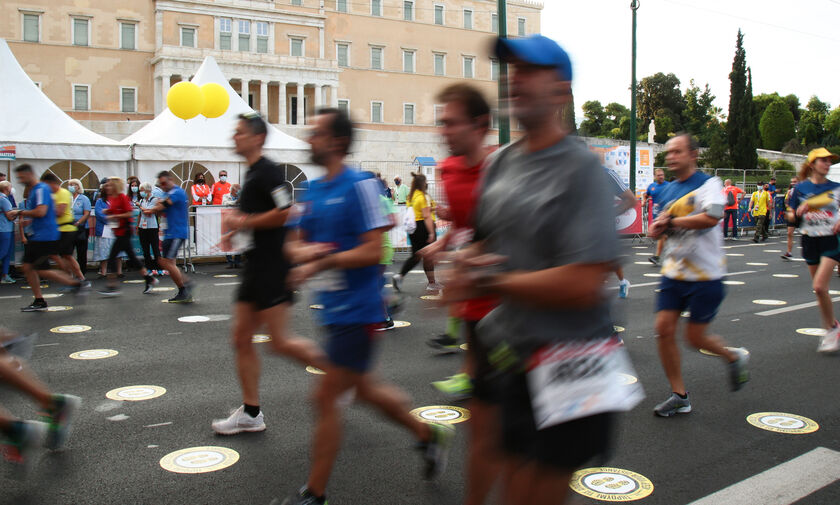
(115, 450)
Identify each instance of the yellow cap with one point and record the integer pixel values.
(821, 152)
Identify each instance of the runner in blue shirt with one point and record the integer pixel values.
(42, 244)
(339, 242)
(654, 194)
(174, 206)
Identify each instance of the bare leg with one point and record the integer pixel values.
(484, 460)
(23, 380)
(32, 279)
(59, 276)
(527, 483)
(245, 324)
(619, 272)
(392, 402)
(790, 230)
(669, 353)
(73, 267)
(429, 268)
(327, 436)
(169, 265)
(696, 335)
(821, 282)
(659, 245)
(302, 350)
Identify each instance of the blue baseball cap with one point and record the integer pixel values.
(536, 50)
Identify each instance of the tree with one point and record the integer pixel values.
(762, 164)
(782, 166)
(657, 92)
(832, 127)
(717, 155)
(567, 115)
(777, 125)
(659, 159)
(665, 126)
(763, 100)
(594, 117)
(699, 111)
(811, 123)
(742, 134)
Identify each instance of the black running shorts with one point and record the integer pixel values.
(264, 284)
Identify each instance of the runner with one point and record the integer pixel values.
(760, 206)
(19, 439)
(626, 200)
(173, 205)
(119, 212)
(694, 266)
(264, 298)
(42, 244)
(550, 278)
(63, 201)
(814, 206)
(339, 240)
(732, 196)
(652, 194)
(791, 223)
(424, 234)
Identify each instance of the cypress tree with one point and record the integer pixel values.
(741, 130)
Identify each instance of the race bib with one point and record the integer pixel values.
(281, 197)
(572, 380)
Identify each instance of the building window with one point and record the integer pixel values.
(31, 28)
(376, 58)
(244, 35)
(438, 115)
(128, 99)
(341, 5)
(81, 32)
(521, 26)
(469, 67)
(344, 105)
(440, 64)
(375, 7)
(128, 36)
(439, 19)
(225, 30)
(494, 22)
(494, 70)
(408, 10)
(187, 36)
(296, 47)
(342, 52)
(299, 3)
(262, 37)
(408, 113)
(468, 19)
(81, 97)
(408, 61)
(375, 112)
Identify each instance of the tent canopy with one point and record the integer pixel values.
(170, 138)
(425, 161)
(38, 128)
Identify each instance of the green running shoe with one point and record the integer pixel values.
(458, 386)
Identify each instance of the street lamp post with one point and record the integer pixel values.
(504, 117)
(634, 6)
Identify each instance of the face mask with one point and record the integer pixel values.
(71, 189)
(134, 189)
(201, 181)
(143, 194)
(223, 178)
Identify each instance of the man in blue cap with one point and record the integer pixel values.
(550, 278)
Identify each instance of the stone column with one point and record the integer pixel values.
(281, 103)
(301, 109)
(264, 99)
(243, 91)
(319, 96)
(334, 96)
(164, 89)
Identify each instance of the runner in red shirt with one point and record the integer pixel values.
(466, 120)
(119, 213)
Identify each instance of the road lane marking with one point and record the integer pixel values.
(783, 484)
(9, 297)
(227, 283)
(792, 308)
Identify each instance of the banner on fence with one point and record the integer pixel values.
(630, 223)
(618, 159)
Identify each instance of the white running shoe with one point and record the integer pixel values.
(831, 340)
(238, 422)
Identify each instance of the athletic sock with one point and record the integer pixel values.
(39, 299)
(684, 397)
(452, 325)
(252, 410)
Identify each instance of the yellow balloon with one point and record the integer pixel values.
(216, 100)
(185, 100)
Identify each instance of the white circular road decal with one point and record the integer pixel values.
(814, 332)
(199, 459)
(769, 302)
(135, 393)
(58, 308)
(781, 422)
(94, 354)
(70, 328)
(611, 484)
(445, 414)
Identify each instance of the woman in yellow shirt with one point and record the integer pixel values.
(422, 236)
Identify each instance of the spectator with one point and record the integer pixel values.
(220, 188)
(732, 197)
(423, 235)
(11, 195)
(387, 191)
(81, 217)
(104, 234)
(147, 228)
(133, 191)
(200, 191)
(7, 232)
(759, 206)
(400, 191)
(231, 199)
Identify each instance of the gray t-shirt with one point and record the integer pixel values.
(541, 210)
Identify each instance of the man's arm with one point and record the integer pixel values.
(39, 211)
(627, 202)
(274, 218)
(577, 285)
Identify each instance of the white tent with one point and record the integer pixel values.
(42, 134)
(167, 140)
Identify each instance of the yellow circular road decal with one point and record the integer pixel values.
(58, 308)
(194, 319)
(316, 306)
(43, 286)
(465, 347)
(786, 276)
(653, 275)
(401, 324)
(734, 254)
(773, 250)
(830, 291)
(769, 302)
(710, 353)
(611, 484)
(627, 379)
(642, 262)
(51, 295)
(431, 297)
(94, 354)
(781, 422)
(445, 414)
(734, 283)
(685, 313)
(260, 338)
(163, 288)
(70, 328)
(618, 329)
(317, 371)
(199, 459)
(814, 332)
(225, 276)
(135, 393)
(756, 264)
(134, 281)
(644, 254)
